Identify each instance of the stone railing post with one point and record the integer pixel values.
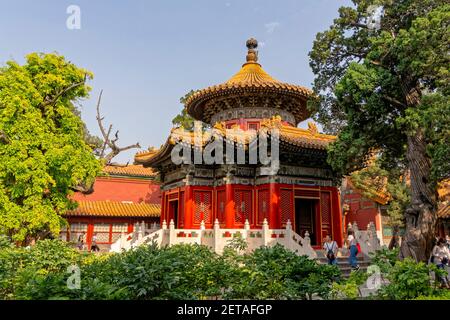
(123, 241)
(265, 232)
(306, 239)
(164, 225)
(289, 235)
(246, 230)
(217, 237)
(141, 233)
(202, 225)
(172, 233)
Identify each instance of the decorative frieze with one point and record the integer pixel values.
(252, 113)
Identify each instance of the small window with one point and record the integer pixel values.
(253, 126)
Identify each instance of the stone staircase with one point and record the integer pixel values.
(342, 262)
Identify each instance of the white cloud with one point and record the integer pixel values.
(261, 44)
(271, 26)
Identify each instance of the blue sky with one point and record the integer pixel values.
(145, 55)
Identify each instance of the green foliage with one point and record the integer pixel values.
(376, 86)
(349, 288)
(147, 272)
(43, 153)
(438, 295)
(409, 280)
(385, 259)
(4, 242)
(183, 119)
(24, 270)
(374, 179)
(277, 273)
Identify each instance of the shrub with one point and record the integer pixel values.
(408, 280)
(277, 273)
(385, 259)
(349, 288)
(26, 271)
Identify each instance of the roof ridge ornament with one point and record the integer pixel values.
(252, 54)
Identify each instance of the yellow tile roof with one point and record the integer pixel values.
(444, 197)
(297, 137)
(129, 170)
(251, 78)
(115, 209)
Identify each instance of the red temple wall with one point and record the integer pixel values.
(122, 189)
(362, 210)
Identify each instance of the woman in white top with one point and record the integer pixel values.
(441, 256)
(351, 243)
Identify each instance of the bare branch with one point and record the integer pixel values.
(100, 119)
(110, 143)
(394, 101)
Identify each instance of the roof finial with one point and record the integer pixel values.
(252, 55)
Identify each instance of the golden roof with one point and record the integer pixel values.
(296, 137)
(115, 209)
(251, 78)
(128, 170)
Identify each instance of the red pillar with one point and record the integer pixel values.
(337, 216)
(188, 207)
(274, 209)
(163, 209)
(229, 206)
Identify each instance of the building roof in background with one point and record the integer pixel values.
(115, 209)
(129, 170)
(444, 198)
(296, 138)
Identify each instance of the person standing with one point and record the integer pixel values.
(352, 245)
(441, 256)
(94, 246)
(81, 241)
(331, 248)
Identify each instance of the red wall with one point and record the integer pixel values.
(123, 189)
(362, 210)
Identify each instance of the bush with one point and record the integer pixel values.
(23, 271)
(385, 259)
(349, 288)
(277, 273)
(148, 272)
(408, 280)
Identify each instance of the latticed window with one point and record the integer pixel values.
(325, 210)
(243, 206)
(253, 126)
(103, 232)
(181, 213)
(263, 205)
(202, 207)
(117, 230)
(286, 205)
(76, 229)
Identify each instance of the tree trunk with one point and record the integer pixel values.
(421, 214)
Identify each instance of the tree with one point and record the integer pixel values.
(107, 143)
(183, 119)
(382, 83)
(43, 152)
